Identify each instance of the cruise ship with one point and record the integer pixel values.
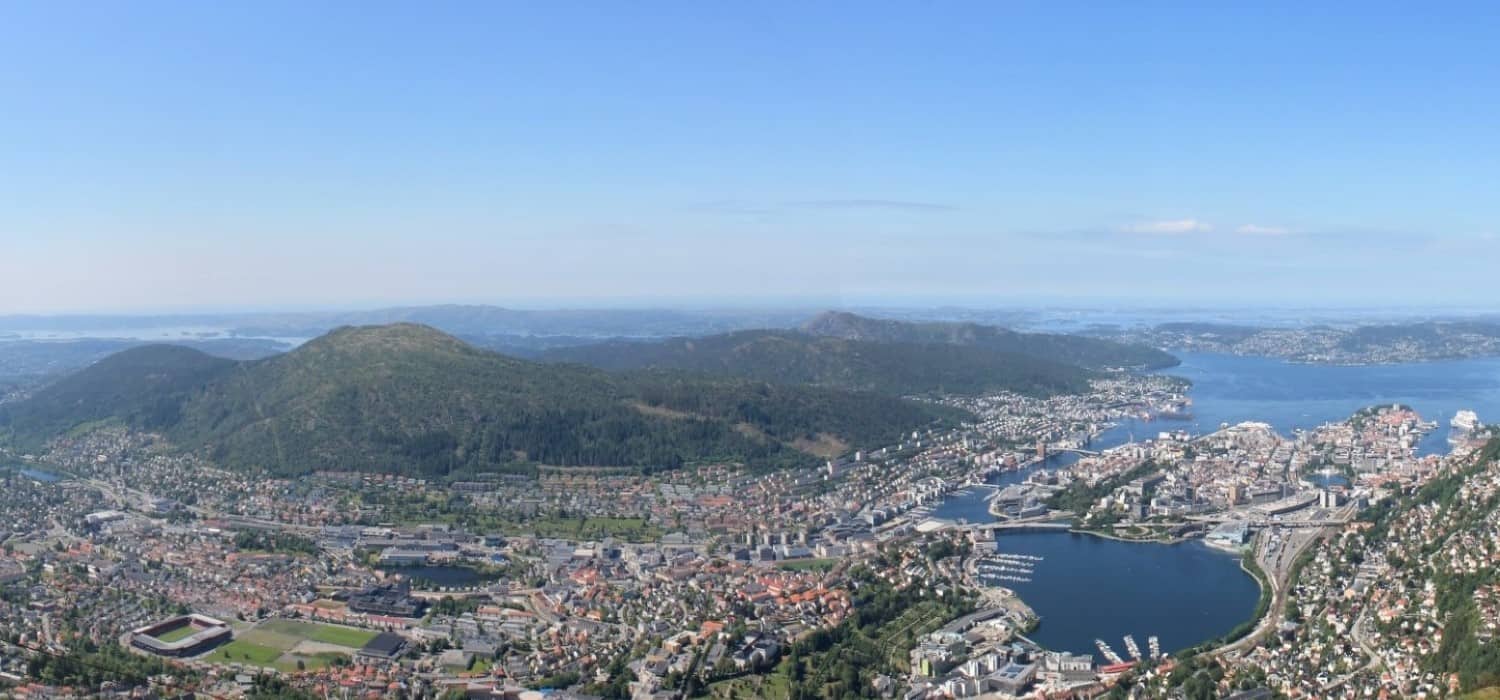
(1464, 424)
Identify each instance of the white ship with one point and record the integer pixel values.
(1464, 424)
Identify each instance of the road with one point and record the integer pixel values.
(1278, 569)
(1358, 632)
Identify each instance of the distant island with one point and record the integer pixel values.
(1359, 345)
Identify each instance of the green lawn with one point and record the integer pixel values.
(322, 659)
(240, 651)
(267, 638)
(178, 634)
(770, 686)
(317, 632)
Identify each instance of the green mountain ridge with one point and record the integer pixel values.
(407, 398)
(792, 357)
(1083, 351)
(839, 349)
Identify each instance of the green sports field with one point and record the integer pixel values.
(280, 644)
(240, 651)
(178, 634)
(316, 632)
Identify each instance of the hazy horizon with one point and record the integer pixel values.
(1036, 310)
(1037, 305)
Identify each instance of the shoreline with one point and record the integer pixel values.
(1118, 538)
(1267, 597)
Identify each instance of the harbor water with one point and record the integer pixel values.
(1088, 588)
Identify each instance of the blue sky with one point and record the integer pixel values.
(294, 154)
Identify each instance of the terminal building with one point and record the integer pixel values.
(1231, 535)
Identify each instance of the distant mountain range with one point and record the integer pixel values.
(1091, 353)
(407, 398)
(457, 319)
(838, 349)
(29, 362)
(1370, 344)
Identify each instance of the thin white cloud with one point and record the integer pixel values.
(891, 204)
(1170, 227)
(1259, 230)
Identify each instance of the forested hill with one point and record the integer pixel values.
(408, 398)
(1092, 353)
(797, 358)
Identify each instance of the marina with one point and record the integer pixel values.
(1108, 652)
(1000, 567)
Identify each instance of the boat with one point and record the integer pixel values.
(1005, 577)
(1464, 424)
(1131, 648)
(1155, 645)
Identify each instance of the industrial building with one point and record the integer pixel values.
(395, 601)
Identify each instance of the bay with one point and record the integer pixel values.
(1088, 587)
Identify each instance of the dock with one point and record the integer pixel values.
(1108, 652)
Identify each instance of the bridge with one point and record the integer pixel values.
(1075, 450)
(1001, 526)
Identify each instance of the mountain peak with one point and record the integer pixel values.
(841, 324)
(850, 326)
(393, 337)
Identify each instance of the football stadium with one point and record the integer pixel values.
(187, 635)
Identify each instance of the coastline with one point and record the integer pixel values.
(1110, 536)
(1262, 606)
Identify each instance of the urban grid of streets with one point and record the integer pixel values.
(711, 578)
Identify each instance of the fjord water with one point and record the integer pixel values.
(1231, 389)
(1088, 587)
